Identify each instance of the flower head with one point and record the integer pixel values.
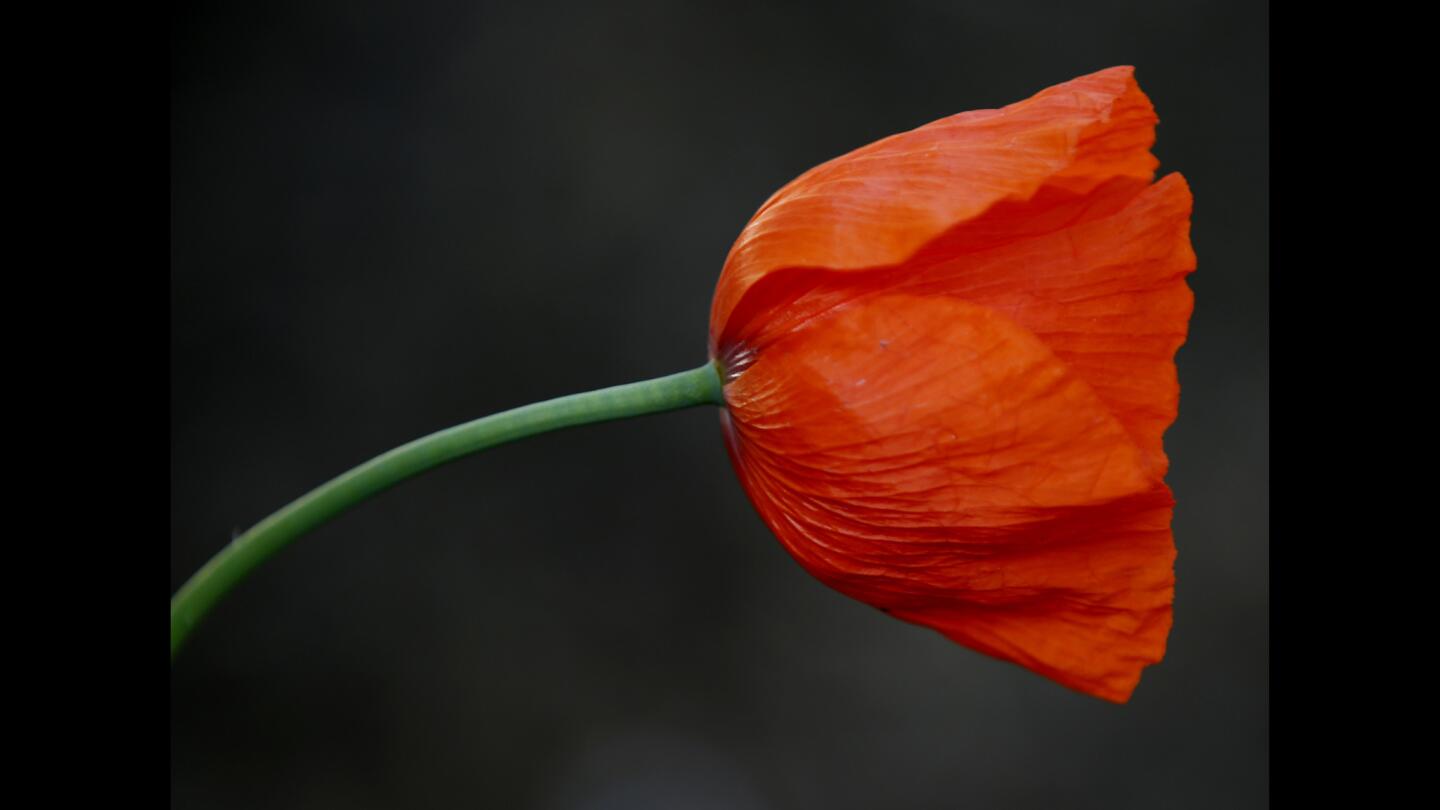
(949, 362)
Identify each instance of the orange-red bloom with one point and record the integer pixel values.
(949, 361)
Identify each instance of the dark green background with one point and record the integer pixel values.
(390, 218)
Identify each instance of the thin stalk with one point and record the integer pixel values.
(197, 596)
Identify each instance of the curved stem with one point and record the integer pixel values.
(202, 591)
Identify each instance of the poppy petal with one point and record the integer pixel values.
(937, 460)
(1107, 295)
(881, 204)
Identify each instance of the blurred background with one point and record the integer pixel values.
(388, 218)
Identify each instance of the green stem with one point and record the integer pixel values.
(196, 597)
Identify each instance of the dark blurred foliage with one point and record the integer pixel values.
(388, 218)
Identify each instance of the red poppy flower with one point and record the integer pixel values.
(948, 363)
